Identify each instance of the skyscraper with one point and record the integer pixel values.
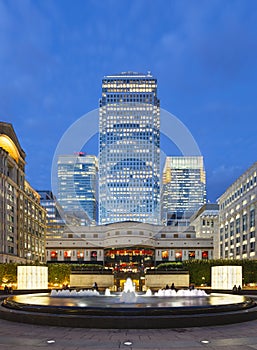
(129, 160)
(77, 186)
(183, 188)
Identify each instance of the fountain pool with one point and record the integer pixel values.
(164, 309)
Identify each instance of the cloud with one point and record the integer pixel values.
(223, 36)
(207, 41)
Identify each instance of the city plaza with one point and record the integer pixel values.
(141, 225)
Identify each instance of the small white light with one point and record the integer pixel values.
(205, 341)
(50, 341)
(128, 343)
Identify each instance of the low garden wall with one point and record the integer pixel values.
(159, 279)
(86, 280)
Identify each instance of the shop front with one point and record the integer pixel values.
(133, 260)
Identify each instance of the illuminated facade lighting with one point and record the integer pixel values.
(183, 189)
(129, 160)
(238, 215)
(54, 218)
(77, 186)
(22, 219)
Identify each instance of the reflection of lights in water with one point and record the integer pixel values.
(143, 301)
(82, 304)
(222, 299)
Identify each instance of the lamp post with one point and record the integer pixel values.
(28, 255)
(203, 281)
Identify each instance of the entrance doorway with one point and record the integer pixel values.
(138, 280)
(129, 260)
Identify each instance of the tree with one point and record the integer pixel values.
(59, 273)
(8, 273)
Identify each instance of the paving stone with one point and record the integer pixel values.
(17, 336)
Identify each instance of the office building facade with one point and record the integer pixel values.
(206, 224)
(238, 210)
(22, 219)
(129, 246)
(129, 147)
(183, 189)
(55, 223)
(77, 186)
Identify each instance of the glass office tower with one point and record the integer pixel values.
(77, 186)
(55, 224)
(183, 189)
(129, 160)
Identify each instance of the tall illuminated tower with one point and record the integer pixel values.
(183, 188)
(129, 160)
(77, 186)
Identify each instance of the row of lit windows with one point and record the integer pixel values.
(233, 240)
(119, 111)
(246, 186)
(69, 254)
(191, 254)
(244, 249)
(239, 223)
(114, 132)
(121, 85)
(129, 83)
(129, 95)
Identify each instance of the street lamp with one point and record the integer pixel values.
(28, 255)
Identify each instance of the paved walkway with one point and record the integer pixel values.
(19, 336)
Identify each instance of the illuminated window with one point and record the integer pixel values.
(165, 255)
(80, 255)
(205, 254)
(178, 255)
(54, 255)
(191, 255)
(67, 255)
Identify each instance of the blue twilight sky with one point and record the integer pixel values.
(54, 53)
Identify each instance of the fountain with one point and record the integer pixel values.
(73, 293)
(129, 294)
(107, 292)
(128, 309)
(181, 293)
